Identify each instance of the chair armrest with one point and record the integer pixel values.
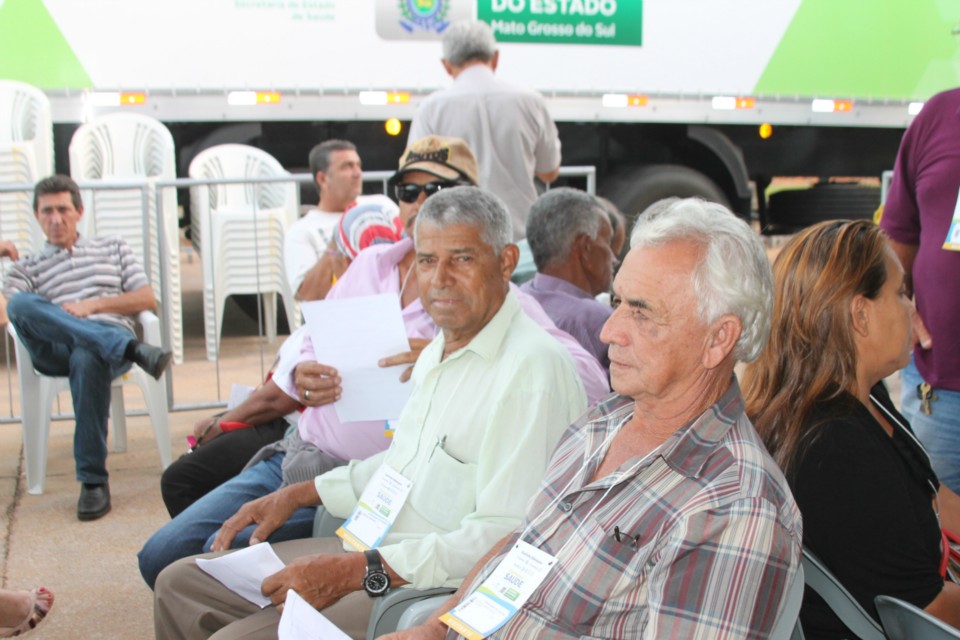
(150, 324)
(324, 524)
(389, 608)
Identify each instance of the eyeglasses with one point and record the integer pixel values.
(410, 192)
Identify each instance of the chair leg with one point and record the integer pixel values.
(35, 416)
(155, 396)
(270, 316)
(118, 418)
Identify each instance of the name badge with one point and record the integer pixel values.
(952, 243)
(380, 503)
(502, 594)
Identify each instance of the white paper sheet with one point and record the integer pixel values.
(300, 621)
(352, 335)
(244, 570)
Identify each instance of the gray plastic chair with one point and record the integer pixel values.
(389, 608)
(787, 627)
(788, 624)
(819, 578)
(904, 621)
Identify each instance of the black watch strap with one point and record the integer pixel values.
(376, 581)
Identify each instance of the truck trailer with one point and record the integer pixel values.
(664, 97)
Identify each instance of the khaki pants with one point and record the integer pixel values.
(190, 605)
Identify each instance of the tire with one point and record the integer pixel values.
(637, 189)
(791, 211)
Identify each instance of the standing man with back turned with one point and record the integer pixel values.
(507, 126)
(71, 305)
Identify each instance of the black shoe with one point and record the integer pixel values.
(94, 501)
(153, 360)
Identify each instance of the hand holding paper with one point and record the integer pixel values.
(353, 335)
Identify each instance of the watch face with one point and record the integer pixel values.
(376, 583)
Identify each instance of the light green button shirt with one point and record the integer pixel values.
(474, 438)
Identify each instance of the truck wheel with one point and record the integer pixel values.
(790, 211)
(637, 189)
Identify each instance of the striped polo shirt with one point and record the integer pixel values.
(94, 268)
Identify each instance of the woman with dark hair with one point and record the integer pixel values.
(872, 506)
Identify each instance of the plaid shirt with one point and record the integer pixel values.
(710, 534)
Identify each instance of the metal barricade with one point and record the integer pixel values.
(161, 188)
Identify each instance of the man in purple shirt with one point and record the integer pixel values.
(917, 216)
(569, 234)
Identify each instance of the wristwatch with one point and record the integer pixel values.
(375, 581)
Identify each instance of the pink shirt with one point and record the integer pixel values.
(374, 271)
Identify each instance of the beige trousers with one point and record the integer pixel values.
(189, 604)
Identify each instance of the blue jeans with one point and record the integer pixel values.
(940, 431)
(88, 352)
(194, 529)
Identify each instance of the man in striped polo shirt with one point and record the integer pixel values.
(72, 306)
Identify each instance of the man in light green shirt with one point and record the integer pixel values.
(492, 395)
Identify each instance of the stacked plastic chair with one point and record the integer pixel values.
(126, 147)
(26, 156)
(239, 232)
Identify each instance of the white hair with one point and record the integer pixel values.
(468, 40)
(734, 276)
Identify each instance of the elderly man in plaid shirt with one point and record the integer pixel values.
(661, 514)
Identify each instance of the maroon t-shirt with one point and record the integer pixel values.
(918, 210)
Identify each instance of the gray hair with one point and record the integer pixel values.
(472, 206)
(734, 276)
(467, 41)
(555, 219)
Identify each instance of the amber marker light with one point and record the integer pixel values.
(393, 126)
(133, 98)
(765, 130)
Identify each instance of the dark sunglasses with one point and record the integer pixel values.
(410, 192)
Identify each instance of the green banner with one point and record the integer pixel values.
(597, 22)
(33, 50)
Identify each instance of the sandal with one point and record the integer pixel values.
(42, 601)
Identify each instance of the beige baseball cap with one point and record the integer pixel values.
(446, 158)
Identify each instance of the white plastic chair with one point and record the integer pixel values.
(239, 229)
(26, 156)
(37, 393)
(131, 147)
